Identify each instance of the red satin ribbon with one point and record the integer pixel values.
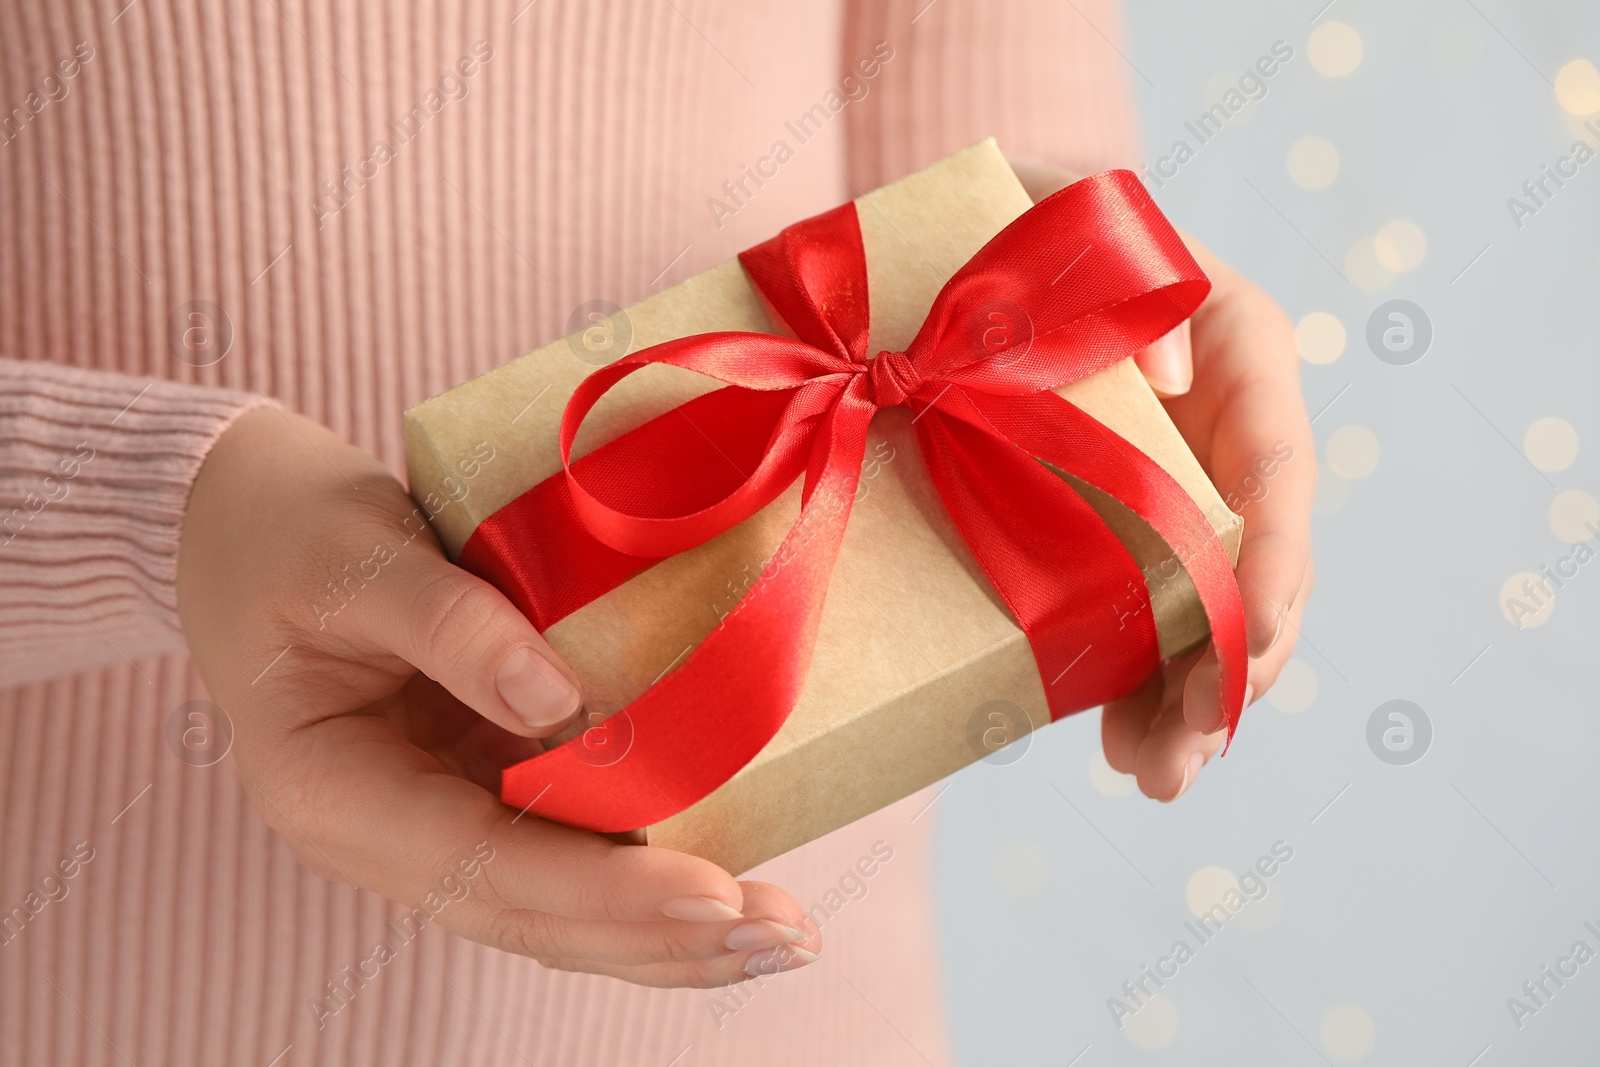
(1087, 277)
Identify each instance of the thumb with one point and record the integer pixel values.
(1168, 365)
(464, 634)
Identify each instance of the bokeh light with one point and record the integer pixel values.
(1313, 163)
(1296, 687)
(1551, 443)
(1348, 1033)
(1335, 49)
(1353, 451)
(1578, 87)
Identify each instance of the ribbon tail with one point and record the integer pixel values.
(1059, 433)
(1071, 585)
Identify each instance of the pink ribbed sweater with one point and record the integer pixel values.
(156, 153)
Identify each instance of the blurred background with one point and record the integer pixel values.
(1442, 848)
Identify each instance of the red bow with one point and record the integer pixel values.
(1088, 277)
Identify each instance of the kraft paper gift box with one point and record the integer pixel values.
(915, 649)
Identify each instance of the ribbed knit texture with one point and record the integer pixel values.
(184, 160)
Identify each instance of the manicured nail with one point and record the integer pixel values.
(1190, 769)
(1283, 617)
(761, 933)
(540, 695)
(1165, 367)
(699, 910)
(1206, 680)
(783, 958)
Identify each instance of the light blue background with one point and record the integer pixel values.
(1425, 894)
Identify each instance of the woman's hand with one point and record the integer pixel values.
(376, 691)
(1230, 379)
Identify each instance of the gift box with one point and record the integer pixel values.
(917, 662)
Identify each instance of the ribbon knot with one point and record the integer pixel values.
(894, 378)
(996, 440)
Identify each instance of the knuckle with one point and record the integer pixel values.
(296, 808)
(526, 933)
(602, 895)
(677, 948)
(489, 887)
(456, 615)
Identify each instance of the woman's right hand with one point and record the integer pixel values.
(376, 691)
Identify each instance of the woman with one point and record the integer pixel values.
(239, 240)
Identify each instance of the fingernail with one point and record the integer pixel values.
(1165, 367)
(699, 910)
(1207, 680)
(761, 933)
(1249, 694)
(1283, 617)
(1190, 769)
(783, 958)
(539, 694)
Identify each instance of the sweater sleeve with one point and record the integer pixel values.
(1046, 79)
(95, 471)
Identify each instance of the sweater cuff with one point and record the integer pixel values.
(95, 473)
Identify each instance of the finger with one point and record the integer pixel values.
(1168, 365)
(1264, 463)
(1264, 671)
(1272, 568)
(1202, 694)
(461, 632)
(1266, 456)
(394, 821)
(771, 921)
(1202, 706)
(760, 966)
(1172, 755)
(1126, 721)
